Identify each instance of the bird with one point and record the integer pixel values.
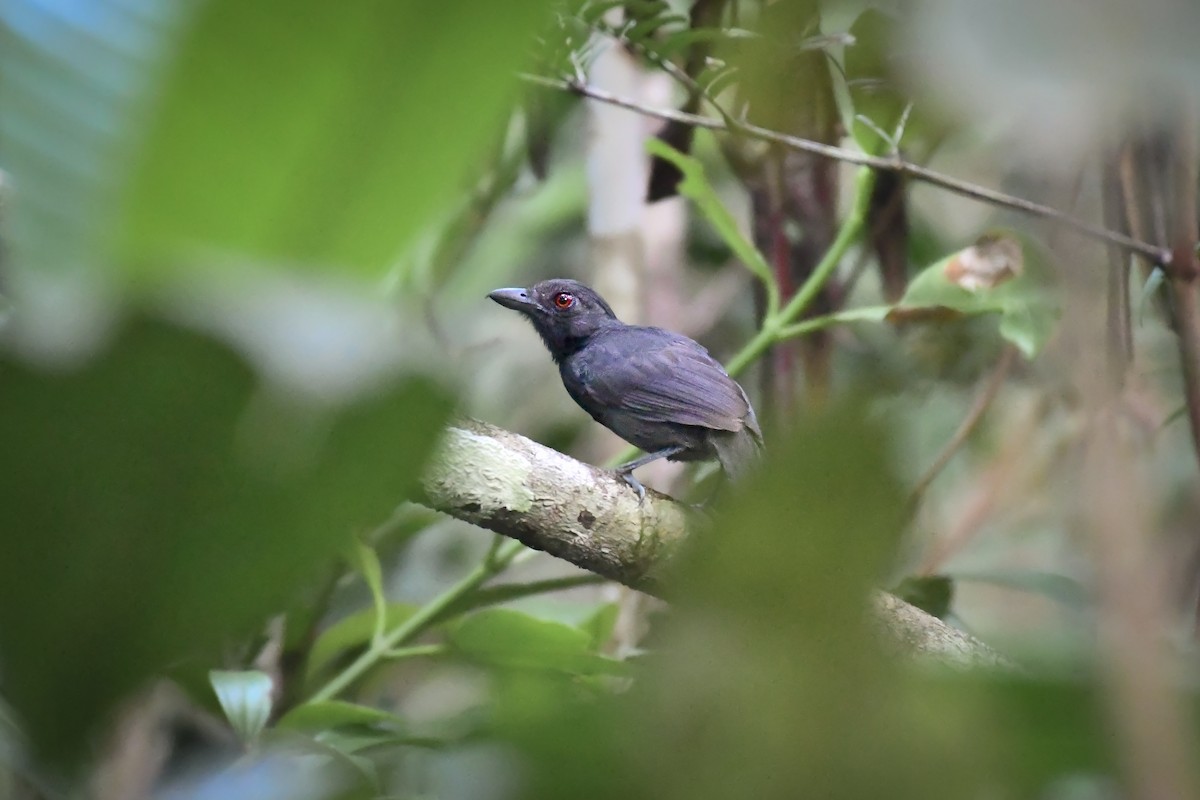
(656, 389)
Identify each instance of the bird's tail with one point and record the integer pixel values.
(738, 452)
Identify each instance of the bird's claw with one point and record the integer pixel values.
(635, 484)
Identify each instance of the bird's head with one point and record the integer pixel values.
(564, 312)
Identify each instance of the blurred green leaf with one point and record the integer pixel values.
(372, 572)
(593, 12)
(599, 626)
(933, 594)
(766, 680)
(676, 42)
(506, 638)
(1050, 729)
(553, 723)
(148, 517)
(332, 714)
(873, 91)
(304, 133)
(74, 77)
(650, 19)
(1002, 274)
(245, 698)
(351, 633)
(351, 727)
(343, 145)
(769, 626)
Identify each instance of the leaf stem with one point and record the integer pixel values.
(983, 400)
(864, 314)
(499, 556)
(774, 325)
(416, 650)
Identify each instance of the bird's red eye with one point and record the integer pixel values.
(564, 300)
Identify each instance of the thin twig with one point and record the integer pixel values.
(979, 407)
(1118, 324)
(1158, 255)
(505, 593)
(668, 66)
(813, 324)
(1004, 476)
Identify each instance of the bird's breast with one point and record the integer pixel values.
(579, 381)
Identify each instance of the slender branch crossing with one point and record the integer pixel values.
(1158, 255)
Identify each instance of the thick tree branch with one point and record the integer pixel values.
(586, 515)
(549, 501)
(899, 166)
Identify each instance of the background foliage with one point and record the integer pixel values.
(245, 252)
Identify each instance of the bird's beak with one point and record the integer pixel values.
(516, 299)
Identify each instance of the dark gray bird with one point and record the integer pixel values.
(655, 389)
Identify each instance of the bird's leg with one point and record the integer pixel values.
(626, 470)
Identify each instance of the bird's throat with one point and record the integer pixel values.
(563, 346)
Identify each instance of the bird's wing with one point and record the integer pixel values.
(667, 378)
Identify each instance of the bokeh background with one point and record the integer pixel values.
(245, 253)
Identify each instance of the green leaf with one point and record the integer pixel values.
(332, 714)
(74, 86)
(506, 638)
(345, 142)
(718, 78)
(148, 517)
(246, 700)
(372, 572)
(593, 13)
(1052, 730)
(676, 42)
(301, 132)
(1028, 322)
(696, 187)
(352, 727)
(651, 24)
(1002, 274)
(351, 633)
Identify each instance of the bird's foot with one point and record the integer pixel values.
(626, 470)
(635, 484)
